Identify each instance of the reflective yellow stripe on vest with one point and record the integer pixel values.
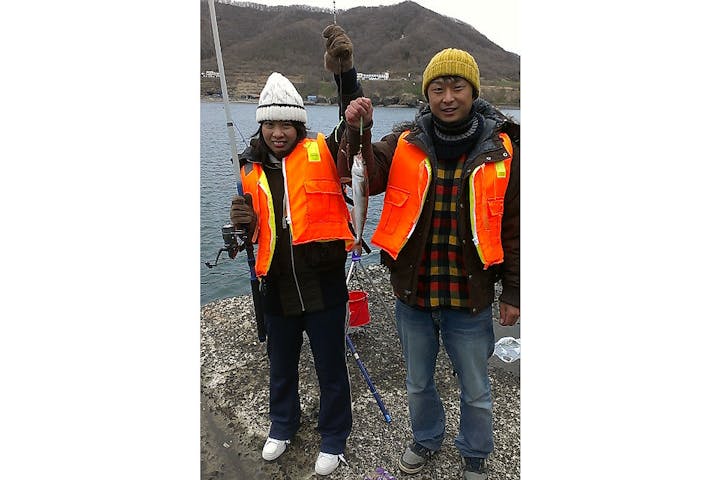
(256, 184)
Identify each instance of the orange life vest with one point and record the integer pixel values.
(407, 187)
(488, 183)
(408, 183)
(316, 210)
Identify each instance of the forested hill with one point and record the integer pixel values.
(400, 39)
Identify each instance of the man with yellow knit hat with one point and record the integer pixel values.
(449, 230)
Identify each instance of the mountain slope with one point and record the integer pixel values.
(400, 39)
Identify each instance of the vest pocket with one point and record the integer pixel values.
(395, 199)
(496, 206)
(324, 200)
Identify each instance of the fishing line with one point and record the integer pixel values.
(348, 342)
(337, 127)
(241, 135)
(340, 93)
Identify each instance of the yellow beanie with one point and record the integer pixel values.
(452, 61)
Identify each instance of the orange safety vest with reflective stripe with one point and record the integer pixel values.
(408, 184)
(316, 209)
(488, 183)
(407, 187)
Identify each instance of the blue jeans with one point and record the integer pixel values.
(469, 342)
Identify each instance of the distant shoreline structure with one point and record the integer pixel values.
(212, 99)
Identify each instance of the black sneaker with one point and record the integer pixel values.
(414, 458)
(475, 468)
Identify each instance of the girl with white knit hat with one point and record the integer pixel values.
(294, 210)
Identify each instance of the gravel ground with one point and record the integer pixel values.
(234, 394)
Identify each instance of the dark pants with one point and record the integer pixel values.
(326, 331)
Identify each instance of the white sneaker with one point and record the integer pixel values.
(326, 463)
(274, 448)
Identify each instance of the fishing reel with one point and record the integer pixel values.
(232, 245)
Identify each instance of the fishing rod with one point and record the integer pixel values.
(368, 380)
(356, 256)
(230, 234)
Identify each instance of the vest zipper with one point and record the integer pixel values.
(287, 221)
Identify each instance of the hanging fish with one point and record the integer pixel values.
(358, 175)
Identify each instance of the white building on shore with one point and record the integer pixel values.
(373, 76)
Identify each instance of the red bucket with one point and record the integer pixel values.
(359, 312)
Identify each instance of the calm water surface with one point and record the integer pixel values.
(230, 277)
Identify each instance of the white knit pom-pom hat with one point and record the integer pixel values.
(279, 100)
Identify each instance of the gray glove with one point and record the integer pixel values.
(242, 213)
(338, 49)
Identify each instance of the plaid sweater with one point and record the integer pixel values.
(442, 278)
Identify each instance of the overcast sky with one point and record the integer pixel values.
(496, 19)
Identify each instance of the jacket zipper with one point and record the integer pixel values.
(287, 223)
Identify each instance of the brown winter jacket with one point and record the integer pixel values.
(404, 271)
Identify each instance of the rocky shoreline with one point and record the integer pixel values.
(234, 394)
(390, 102)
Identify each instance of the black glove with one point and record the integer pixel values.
(338, 49)
(242, 213)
